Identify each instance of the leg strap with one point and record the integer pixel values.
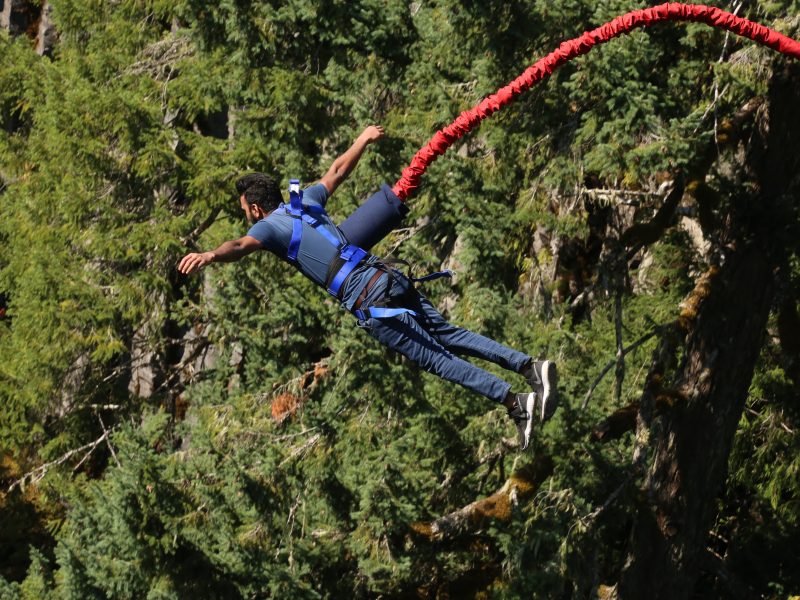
(380, 312)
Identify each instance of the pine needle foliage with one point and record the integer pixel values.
(118, 155)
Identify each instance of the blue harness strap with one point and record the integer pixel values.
(301, 214)
(379, 312)
(432, 276)
(352, 255)
(349, 254)
(325, 233)
(295, 209)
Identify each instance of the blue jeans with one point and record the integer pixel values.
(433, 343)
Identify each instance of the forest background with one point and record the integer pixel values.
(634, 218)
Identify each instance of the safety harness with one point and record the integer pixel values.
(349, 257)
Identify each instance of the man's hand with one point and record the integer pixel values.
(229, 251)
(194, 261)
(342, 166)
(372, 134)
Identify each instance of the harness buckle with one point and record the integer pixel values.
(348, 251)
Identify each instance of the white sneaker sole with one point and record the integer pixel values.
(530, 404)
(550, 392)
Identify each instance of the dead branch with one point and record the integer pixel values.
(625, 351)
(108, 441)
(644, 234)
(407, 233)
(522, 485)
(620, 359)
(302, 449)
(158, 59)
(307, 379)
(39, 472)
(712, 562)
(607, 197)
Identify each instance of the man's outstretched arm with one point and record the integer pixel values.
(229, 251)
(342, 166)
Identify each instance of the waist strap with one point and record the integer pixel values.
(349, 258)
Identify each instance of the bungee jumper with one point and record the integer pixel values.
(384, 300)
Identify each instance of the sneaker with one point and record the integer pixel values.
(543, 377)
(522, 414)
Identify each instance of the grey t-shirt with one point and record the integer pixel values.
(316, 252)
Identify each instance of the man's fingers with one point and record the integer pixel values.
(190, 263)
(196, 263)
(374, 132)
(374, 129)
(186, 261)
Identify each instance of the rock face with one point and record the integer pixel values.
(16, 16)
(23, 17)
(46, 35)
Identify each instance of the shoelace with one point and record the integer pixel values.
(518, 414)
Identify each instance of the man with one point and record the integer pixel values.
(384, 300)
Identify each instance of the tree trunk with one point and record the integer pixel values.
(725, 326)
(691, 452)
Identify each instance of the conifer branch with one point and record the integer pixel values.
(191, 239)
(492, 458)
(592, 516)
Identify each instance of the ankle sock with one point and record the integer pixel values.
(511, 401)
(527, 369)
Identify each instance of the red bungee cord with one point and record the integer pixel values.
(671, 11)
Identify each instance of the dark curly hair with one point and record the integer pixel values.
(261, 190)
